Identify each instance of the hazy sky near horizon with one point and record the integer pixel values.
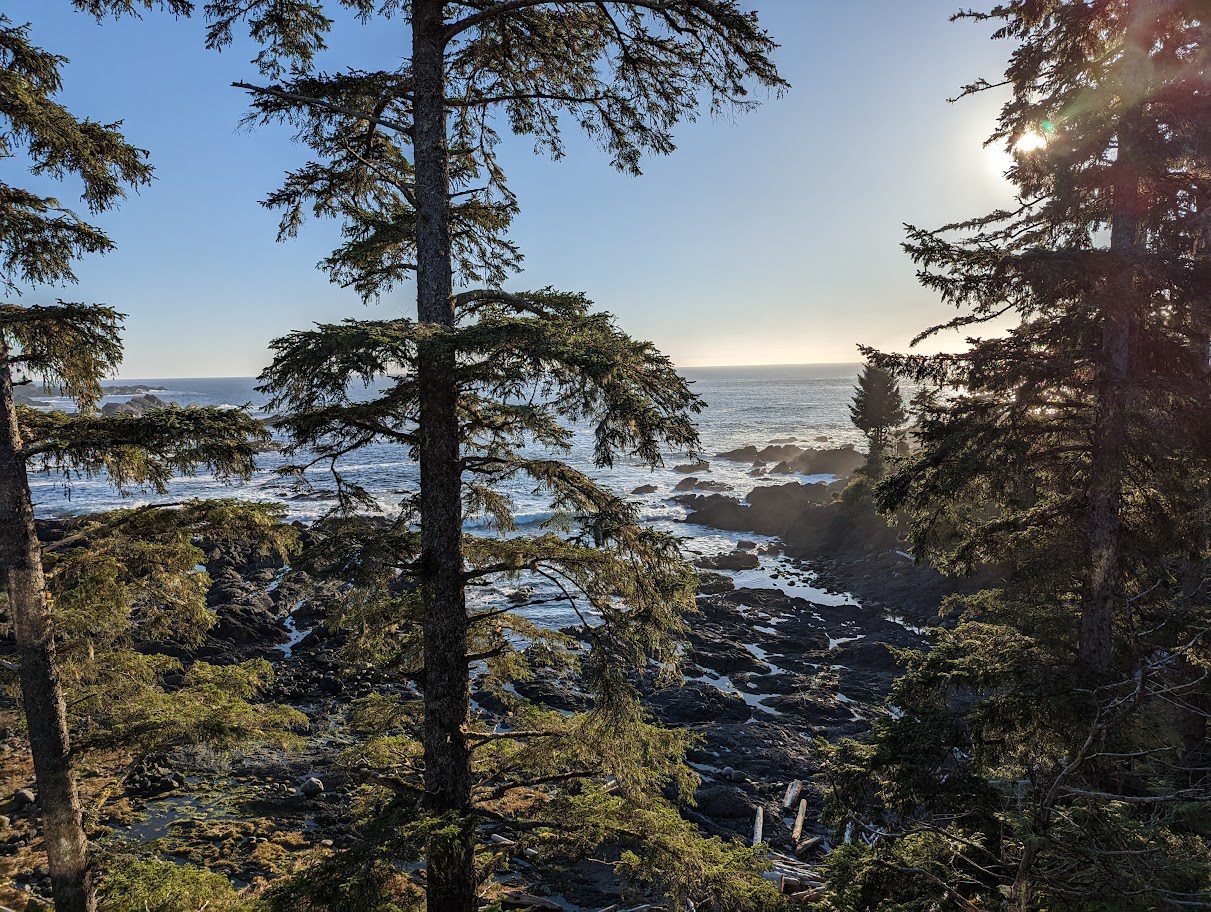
(771, 238)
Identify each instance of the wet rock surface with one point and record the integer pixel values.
(766, 673)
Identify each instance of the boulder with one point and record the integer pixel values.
(312, 787)
(723, 802)
(697, 484)
(725, 658)
(710, 583)
(736, 560)
(23, 798)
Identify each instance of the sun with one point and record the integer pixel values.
(1030, 141)
(1035, 139)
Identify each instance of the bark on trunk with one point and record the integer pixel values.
(451, 882)
(41, 695)
(1193, 720)
(1119, 317)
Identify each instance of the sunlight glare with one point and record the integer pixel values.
(1030, 141)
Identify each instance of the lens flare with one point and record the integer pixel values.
(1030, 141)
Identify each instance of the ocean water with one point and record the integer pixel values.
(745, 405)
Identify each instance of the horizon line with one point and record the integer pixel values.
(678, 366)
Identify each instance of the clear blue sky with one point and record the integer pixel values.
(773, 238)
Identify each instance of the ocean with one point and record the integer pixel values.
(805, 404)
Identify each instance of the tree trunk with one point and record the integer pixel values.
(1119, 317)
(451, 881)
(1194, 587)
(41, 695)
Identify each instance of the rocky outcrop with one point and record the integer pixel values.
(694, 483)
(134, 389)
(736, 560)
(136, 405)
(770, 510)
(842, 462)
(787, 458)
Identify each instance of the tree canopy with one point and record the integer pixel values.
(1051, 751)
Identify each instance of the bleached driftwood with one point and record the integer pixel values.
(797, 832)
(792, 794)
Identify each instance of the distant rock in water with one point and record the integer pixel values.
(689, 468)
(136, 389)
(137, 405)
(645, 489)
(771, 453)
(842, 462)
(772, 510)
(788, 459)
(697, 484)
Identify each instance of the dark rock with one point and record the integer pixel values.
(312, 787)
(767, 749)
(725, 658)
(813, 708)
(694, 483)
(751, 454)
(723, 802)
(135, 389)
(714, 583)
(136, 405)
(841, 461)
(23, 798)
(866, 652)
(645, 489)
(736, 560)
(690, 468)
(697, 703)
(554, 691)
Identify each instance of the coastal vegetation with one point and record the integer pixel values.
(1051, 751)
(951, 654)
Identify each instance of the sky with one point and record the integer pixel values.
(768, 238)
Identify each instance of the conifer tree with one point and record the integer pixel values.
(406, 159)
(130, 599)
(72, 346)
(1037, 757)
(877, 410)
(1106, 371)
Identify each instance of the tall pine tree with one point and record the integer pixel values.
(1038, 756)
(406, 159)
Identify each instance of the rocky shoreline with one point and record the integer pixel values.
(766, 673)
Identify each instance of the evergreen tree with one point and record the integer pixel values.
(129, 600)
(406, 159)
(877, 411)
(1037, 759)
(71, 346)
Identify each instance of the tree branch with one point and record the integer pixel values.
(275, 92)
